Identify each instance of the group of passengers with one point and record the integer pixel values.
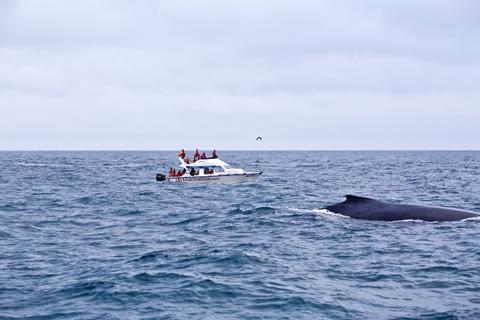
(197, 156)
(194, 172)
(173, 173)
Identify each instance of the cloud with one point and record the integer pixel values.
(127, 69)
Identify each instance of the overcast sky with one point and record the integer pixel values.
(319, 74)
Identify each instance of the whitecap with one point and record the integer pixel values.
(411, 220)
(42, 164)
(300, 210)
(327, 212)
(471, 219)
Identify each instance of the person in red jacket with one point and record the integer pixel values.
(181, 154)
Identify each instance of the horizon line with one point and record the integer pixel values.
(230, 150)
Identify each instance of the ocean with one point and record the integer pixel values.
(92, 235)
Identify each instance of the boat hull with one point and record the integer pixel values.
(220, 178)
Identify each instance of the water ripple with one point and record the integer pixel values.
(92, 235)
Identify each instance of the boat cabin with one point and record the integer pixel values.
(208, 166)
(207, 170)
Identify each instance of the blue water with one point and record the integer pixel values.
(92, 235)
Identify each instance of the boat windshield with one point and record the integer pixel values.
(219, 169)
(227, 166)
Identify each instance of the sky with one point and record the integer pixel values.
(304, 75)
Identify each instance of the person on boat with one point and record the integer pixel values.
(203, 156)
(214, 154)
(170, 172)
(182, 154)
(174, 173)
(196, 156)
(180, 173)
(187, 160)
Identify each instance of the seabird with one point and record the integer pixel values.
(259, 138)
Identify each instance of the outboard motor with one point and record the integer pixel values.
(160, 177)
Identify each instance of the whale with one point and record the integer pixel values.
(370, 209)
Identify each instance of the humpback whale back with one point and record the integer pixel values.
(357, 199)
(370, 209)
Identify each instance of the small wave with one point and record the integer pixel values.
(126, 212)
(85, 200)
(432, 316)
(254, 211)
(146, 193)
(145, 277)
(436, 269)
(8, 207)
(129, 165)
(86, 288)
(49, 316)
(293, 302)
(5, 235)
(438, 284)
(210, 289)
(28, 164)
(150, 256)
(238, 259)
(185, 221)
(93, 200)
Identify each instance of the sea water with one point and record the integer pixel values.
(92, 235)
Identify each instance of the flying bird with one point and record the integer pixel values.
(259, 138)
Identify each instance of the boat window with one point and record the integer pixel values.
(219, 169)
(227, 166)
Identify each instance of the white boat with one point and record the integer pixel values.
(211, 170)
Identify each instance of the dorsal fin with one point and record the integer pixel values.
(352, 198)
